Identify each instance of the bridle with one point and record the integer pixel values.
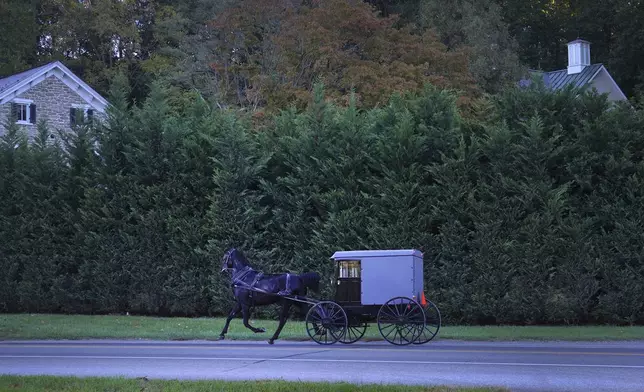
(238, 276)
(227, 257)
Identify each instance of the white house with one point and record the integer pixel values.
(580, 72)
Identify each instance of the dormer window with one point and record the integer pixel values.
(80, 114)
(24, 111)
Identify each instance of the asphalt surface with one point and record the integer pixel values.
(520, 366)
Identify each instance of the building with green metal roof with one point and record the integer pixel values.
(581, 73)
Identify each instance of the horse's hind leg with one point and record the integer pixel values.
(286, 306)
(246, 315)
(236, 308)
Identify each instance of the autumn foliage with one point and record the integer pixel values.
(270, 53)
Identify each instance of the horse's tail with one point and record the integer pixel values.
(311, 280)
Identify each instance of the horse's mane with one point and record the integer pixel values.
(312, 280)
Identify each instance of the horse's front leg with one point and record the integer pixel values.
(286, 306)
(246, 315)
(236, 308)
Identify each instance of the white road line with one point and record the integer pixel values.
(432, 350)
(323, 360)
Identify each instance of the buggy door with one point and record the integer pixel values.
(349, 282)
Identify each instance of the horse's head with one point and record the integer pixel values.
(227, 260)
(233, 259)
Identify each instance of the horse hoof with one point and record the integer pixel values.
(221, 337)
(271, 341)
(260, 330)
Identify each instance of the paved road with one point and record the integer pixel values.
(522, 366)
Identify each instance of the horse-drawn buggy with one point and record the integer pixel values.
(382, 286)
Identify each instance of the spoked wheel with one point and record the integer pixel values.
(355, 332)
(432, 323)
(326, 322)
(401, 320)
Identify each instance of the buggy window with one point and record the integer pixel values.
(349, 269)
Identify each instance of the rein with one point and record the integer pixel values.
(239, 276)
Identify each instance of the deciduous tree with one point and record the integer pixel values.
(271, 54)
(478, 25)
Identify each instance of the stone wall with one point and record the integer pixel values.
(53, 100)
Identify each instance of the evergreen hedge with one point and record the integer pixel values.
(528, 214)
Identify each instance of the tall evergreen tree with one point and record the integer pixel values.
(14, 159)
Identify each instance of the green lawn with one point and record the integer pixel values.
(70, 384)
(44, 326)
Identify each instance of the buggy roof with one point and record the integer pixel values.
(349, 254)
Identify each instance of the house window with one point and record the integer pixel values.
(80, 114)
(24, 111)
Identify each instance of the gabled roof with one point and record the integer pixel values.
(14, 85)
(560, 78)
(7, 83)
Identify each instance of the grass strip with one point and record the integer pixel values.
(48, 326)
(90, 384)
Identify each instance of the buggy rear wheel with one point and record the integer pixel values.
(326, 322)
(432, 323)
(404, 318)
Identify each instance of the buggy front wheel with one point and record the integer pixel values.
(326, 322)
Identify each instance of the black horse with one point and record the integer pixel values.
(276, 288)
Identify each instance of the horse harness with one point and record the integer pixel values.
(239, 276)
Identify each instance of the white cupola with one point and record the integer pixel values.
(578, 56)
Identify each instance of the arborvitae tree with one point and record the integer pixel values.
(319, 158)
(414, 133)
(14, 158)
(48, 276)
(38, 229)
(115, 135)
(103, 213)
(525, 209)
(237, 215)
(143, 217)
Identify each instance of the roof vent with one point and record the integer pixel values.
(578, 56)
